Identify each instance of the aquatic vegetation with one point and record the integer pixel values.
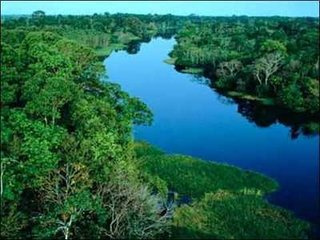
(195, 177)
(226, 202)
(227, 214)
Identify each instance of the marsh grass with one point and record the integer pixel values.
(233, 215)
(227, 202)
(195, 177)
(246, 96)
(192, 70)
(170, 61)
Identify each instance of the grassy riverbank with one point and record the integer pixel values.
(246, 96)
(191, 70)
(102, 43)
(227, 202)
(104, 52)
(170, 61)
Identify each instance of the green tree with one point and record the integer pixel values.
(291, 96)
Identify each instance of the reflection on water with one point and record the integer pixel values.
(265, 116)
(133, 47)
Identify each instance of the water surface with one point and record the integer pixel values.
(191, 118)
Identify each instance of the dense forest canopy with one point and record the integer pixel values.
(66, 158)
(273, 58)
(102, 30)
(69, 165)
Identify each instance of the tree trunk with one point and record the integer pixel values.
(1, 179)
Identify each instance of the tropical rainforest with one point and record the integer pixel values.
(273, 60)
(70, 167)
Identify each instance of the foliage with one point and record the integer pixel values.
(194, 177)
(273, 57)
(64, 133)
(226, 214)
(134, 212)
(69, 166)
(226, 202)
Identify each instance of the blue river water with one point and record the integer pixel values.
(191, 118)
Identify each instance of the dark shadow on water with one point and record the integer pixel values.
(263, 116)
(133, 47)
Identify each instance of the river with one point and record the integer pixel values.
(191, 118)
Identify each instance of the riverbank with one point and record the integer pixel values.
(308, 122)
(233, 94)
(104, 43)
(223, 201)
(196, 120)
(191, 70)
(104, 52)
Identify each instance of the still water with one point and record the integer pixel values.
(191, 118)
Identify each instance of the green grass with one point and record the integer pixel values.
(170, 61)
(100, 41)
(264, 101)
(193, 70)
(126, 38)
(195, 177)
(106, 51)
(232, 215)
(228, 203)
